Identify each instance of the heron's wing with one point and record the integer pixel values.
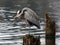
(31, 12)
(34, 14)
(32, 18)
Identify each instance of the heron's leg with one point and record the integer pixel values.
(26, 23)
(29, 28)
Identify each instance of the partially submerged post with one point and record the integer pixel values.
(31, 40)
(50, 31)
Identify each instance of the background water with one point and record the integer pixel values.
(11, 34)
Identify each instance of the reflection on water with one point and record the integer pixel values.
(11, 34)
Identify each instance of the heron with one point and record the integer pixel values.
(30, 16)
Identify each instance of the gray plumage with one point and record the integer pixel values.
(29, 15)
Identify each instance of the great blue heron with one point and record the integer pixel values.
(29, 15)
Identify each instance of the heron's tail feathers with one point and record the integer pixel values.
(37, 26)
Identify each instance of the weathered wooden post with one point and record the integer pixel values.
(31, 40)
(50, 31)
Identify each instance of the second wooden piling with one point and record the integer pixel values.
(50, 31)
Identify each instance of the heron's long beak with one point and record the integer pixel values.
(17, 16)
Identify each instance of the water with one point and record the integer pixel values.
(11, 34)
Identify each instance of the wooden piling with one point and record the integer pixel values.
(50, 31)
(31, 40)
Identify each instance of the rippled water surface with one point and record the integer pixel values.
(11, 34)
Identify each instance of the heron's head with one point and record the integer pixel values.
(20, 15)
